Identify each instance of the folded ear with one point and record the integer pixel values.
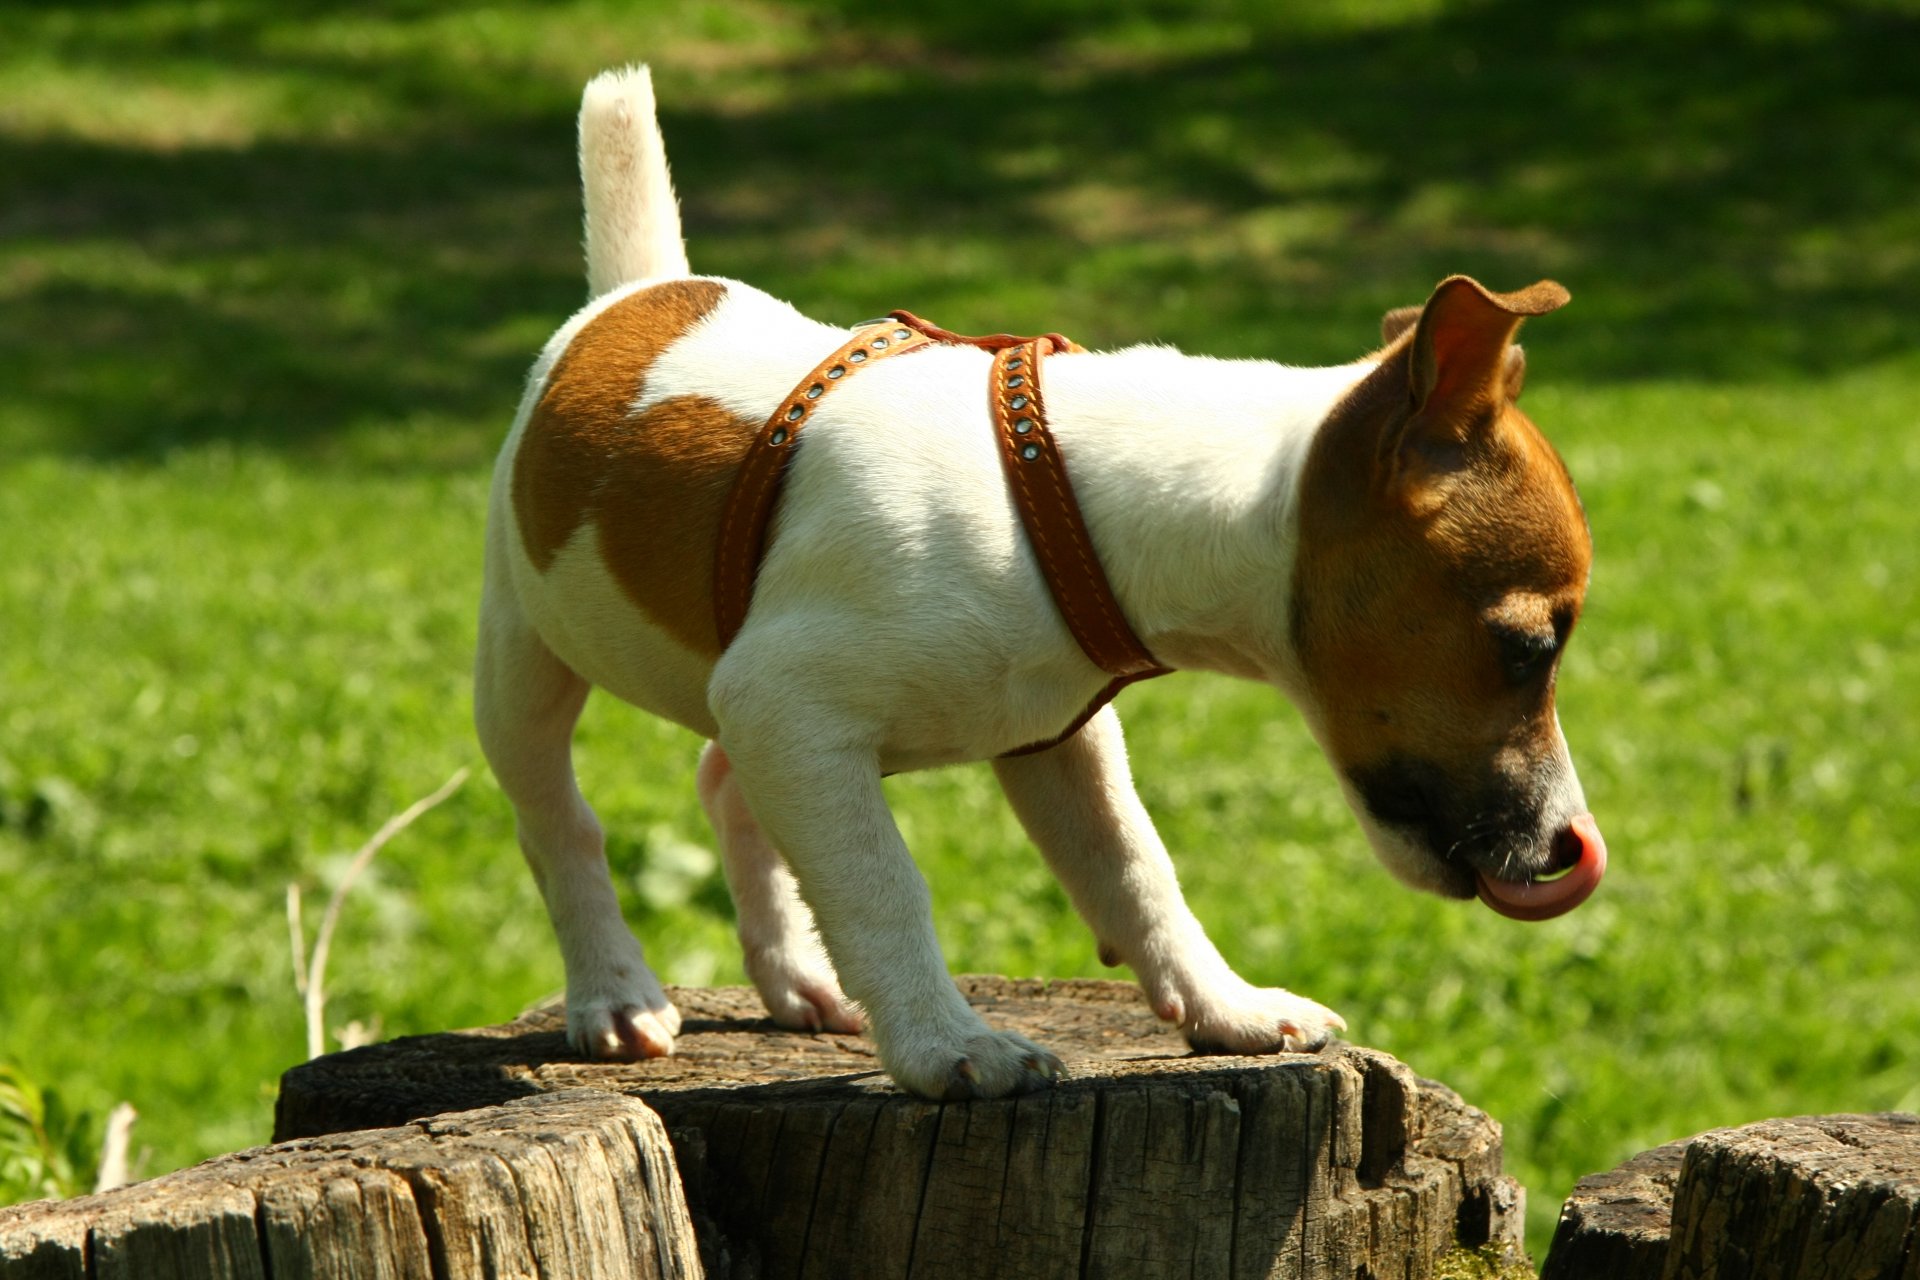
(1460, 364)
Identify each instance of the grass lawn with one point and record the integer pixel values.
(270, 276)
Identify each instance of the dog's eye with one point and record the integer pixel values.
(1525, 655)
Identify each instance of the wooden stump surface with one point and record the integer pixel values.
(1814, 1198)
(801, 1158)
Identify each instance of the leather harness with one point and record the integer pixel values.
(1036, 476)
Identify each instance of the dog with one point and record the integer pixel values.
(1390, 542)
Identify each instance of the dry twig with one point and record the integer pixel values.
(113, 1152)
(310, 973)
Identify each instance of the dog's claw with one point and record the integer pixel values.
(623, 1033)
(1046, 1066)
(994, 1065)
(960, 1085)
(1249, 1019)
(813, 1006)
(800, 991)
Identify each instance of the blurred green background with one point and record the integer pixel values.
(271, 275)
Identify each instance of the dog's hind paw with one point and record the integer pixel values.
(996, 1064)
(622, 1032)
(811, 1004)
(802, 993)
(1258, 1020)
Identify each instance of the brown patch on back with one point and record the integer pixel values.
(654, 483)
(1408, 552)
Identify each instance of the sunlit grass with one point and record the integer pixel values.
(270, 278)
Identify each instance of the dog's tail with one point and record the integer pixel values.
(633, 220)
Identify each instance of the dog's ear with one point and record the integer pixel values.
(1397, 322)
(1460, 366)
(1513, 375)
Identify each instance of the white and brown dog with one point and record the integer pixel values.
(1390, 542)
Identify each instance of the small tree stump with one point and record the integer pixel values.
(1616, 1224)
(800, 1158)
(1816, 1197)
(572, 1183)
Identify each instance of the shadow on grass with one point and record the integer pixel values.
(1731, 193)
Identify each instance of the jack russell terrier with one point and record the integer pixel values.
(1391, 542)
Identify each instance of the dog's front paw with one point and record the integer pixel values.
(991, 1064)
(1250, 1019)
(623, 1026)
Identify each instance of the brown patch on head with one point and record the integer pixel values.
(655, 482)
(1443, 558)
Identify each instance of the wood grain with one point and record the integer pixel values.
(572, 1183)
(1813, 1198)
(801, 1159)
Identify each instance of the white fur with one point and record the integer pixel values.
(633, 221)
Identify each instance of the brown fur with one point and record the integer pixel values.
(1433, 512)
(653, 483)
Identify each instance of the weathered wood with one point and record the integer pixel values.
(801, 1159)
(569, 1183)
(1814, 1198)
(1616, 1224)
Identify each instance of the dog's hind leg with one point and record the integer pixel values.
(526, 702)
(783, 954)
(1078, 803)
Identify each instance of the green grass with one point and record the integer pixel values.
(270, 277)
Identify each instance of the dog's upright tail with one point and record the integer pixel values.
(633, 220)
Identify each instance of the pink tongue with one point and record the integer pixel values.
(1545, 899)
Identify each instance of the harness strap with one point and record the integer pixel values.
(986, 342)
(1036, 477)
(749, 509)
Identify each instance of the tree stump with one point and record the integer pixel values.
(1812, 1198)
(570, 1183)
(800, 1158)
(1616, 1224)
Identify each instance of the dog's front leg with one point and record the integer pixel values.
(1077, 802)
(817, 793)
